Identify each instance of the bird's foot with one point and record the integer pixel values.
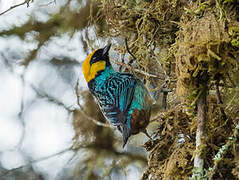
(147, 134)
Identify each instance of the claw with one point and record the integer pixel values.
(147, 134)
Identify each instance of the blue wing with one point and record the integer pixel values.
(124, 95)
(115, 95)
(121, 92)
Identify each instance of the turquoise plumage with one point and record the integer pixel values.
(122, 98)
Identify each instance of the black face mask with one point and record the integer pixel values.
(101, 55)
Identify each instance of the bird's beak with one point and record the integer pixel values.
(106, 49)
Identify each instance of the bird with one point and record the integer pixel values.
(123, 99)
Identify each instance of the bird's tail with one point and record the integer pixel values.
(124, 128)
(125, 133)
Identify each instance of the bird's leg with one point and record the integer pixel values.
(147, 134)
(119, 128)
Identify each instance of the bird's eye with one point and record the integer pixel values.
(93, 60)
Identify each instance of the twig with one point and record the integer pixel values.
(161, 114)
(47, 4)
(135, 70)
(161, 88)
(164, 100)
(127, 48)
(155, 118)
(112, 151)
(84, 113)
(22, 109)
(20, 114)
(231, 81)
(12, 7)
(122, 60)
(167, 81)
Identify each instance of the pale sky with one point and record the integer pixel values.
(48, 128)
